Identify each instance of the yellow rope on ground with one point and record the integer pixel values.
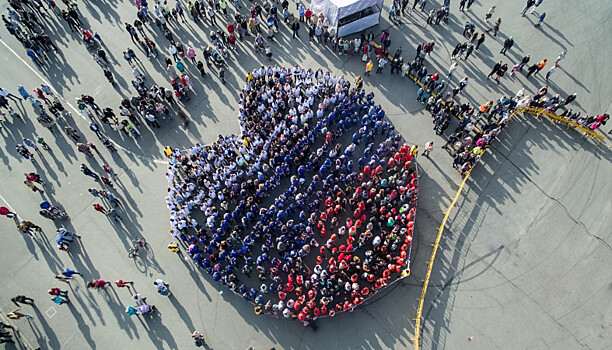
(537, 112)
(417, 325)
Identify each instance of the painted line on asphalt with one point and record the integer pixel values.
(7, 204)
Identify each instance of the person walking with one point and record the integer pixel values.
(111, 198)
(23, 300)
(535, 5)
(381, 65)
(98, 284)
(123, 284)
(529, 4)
(68, 272)
(162, 287)
(428, 149)
(561, 56)
(507, 45)
(542, 16)
(72, 133)
(59, 300)
(29, 184)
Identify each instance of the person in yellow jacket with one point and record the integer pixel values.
(369, 67)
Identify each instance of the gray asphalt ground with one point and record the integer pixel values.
(524, 263)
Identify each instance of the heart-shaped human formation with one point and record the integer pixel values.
(305, 214)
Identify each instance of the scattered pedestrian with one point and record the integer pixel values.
(58, 292)
(22, 299)
(542, 16)
(428, 148)
(59, 300)
(98, 284)
(89, 172)
(99, 208)
(495, 27)
(17, 314)
(123, 284)
(551, 71)
(4, 211)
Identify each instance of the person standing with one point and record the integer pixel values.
(89, 172)
(500, 72)
(123, 284)
(451, 70)
(524, 61)
(480, 41)
(462, 84)
(23, 300)
(368, 68)
(33, 187)
(552, 70)
(561, 56)
(381, 65)
(109, 170)
(495, 27)
(496, 67)
(59, 300)
(23, 92)
(507, 45)
(295, 26)
(428, 149)
(4, 92)
(469, 51)
(68, 272)
(4, 211)
(17, 314)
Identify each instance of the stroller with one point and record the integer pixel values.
(145, 309)
(64, 239)
(52, 212)
(216, 57)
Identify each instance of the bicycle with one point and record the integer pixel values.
(137, 244)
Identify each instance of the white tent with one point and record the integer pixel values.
(349, 16)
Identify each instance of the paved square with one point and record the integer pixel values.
(523, 264)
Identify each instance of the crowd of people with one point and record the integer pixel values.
(311, 209)
(287, 187)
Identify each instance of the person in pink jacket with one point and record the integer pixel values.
(191, 54)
